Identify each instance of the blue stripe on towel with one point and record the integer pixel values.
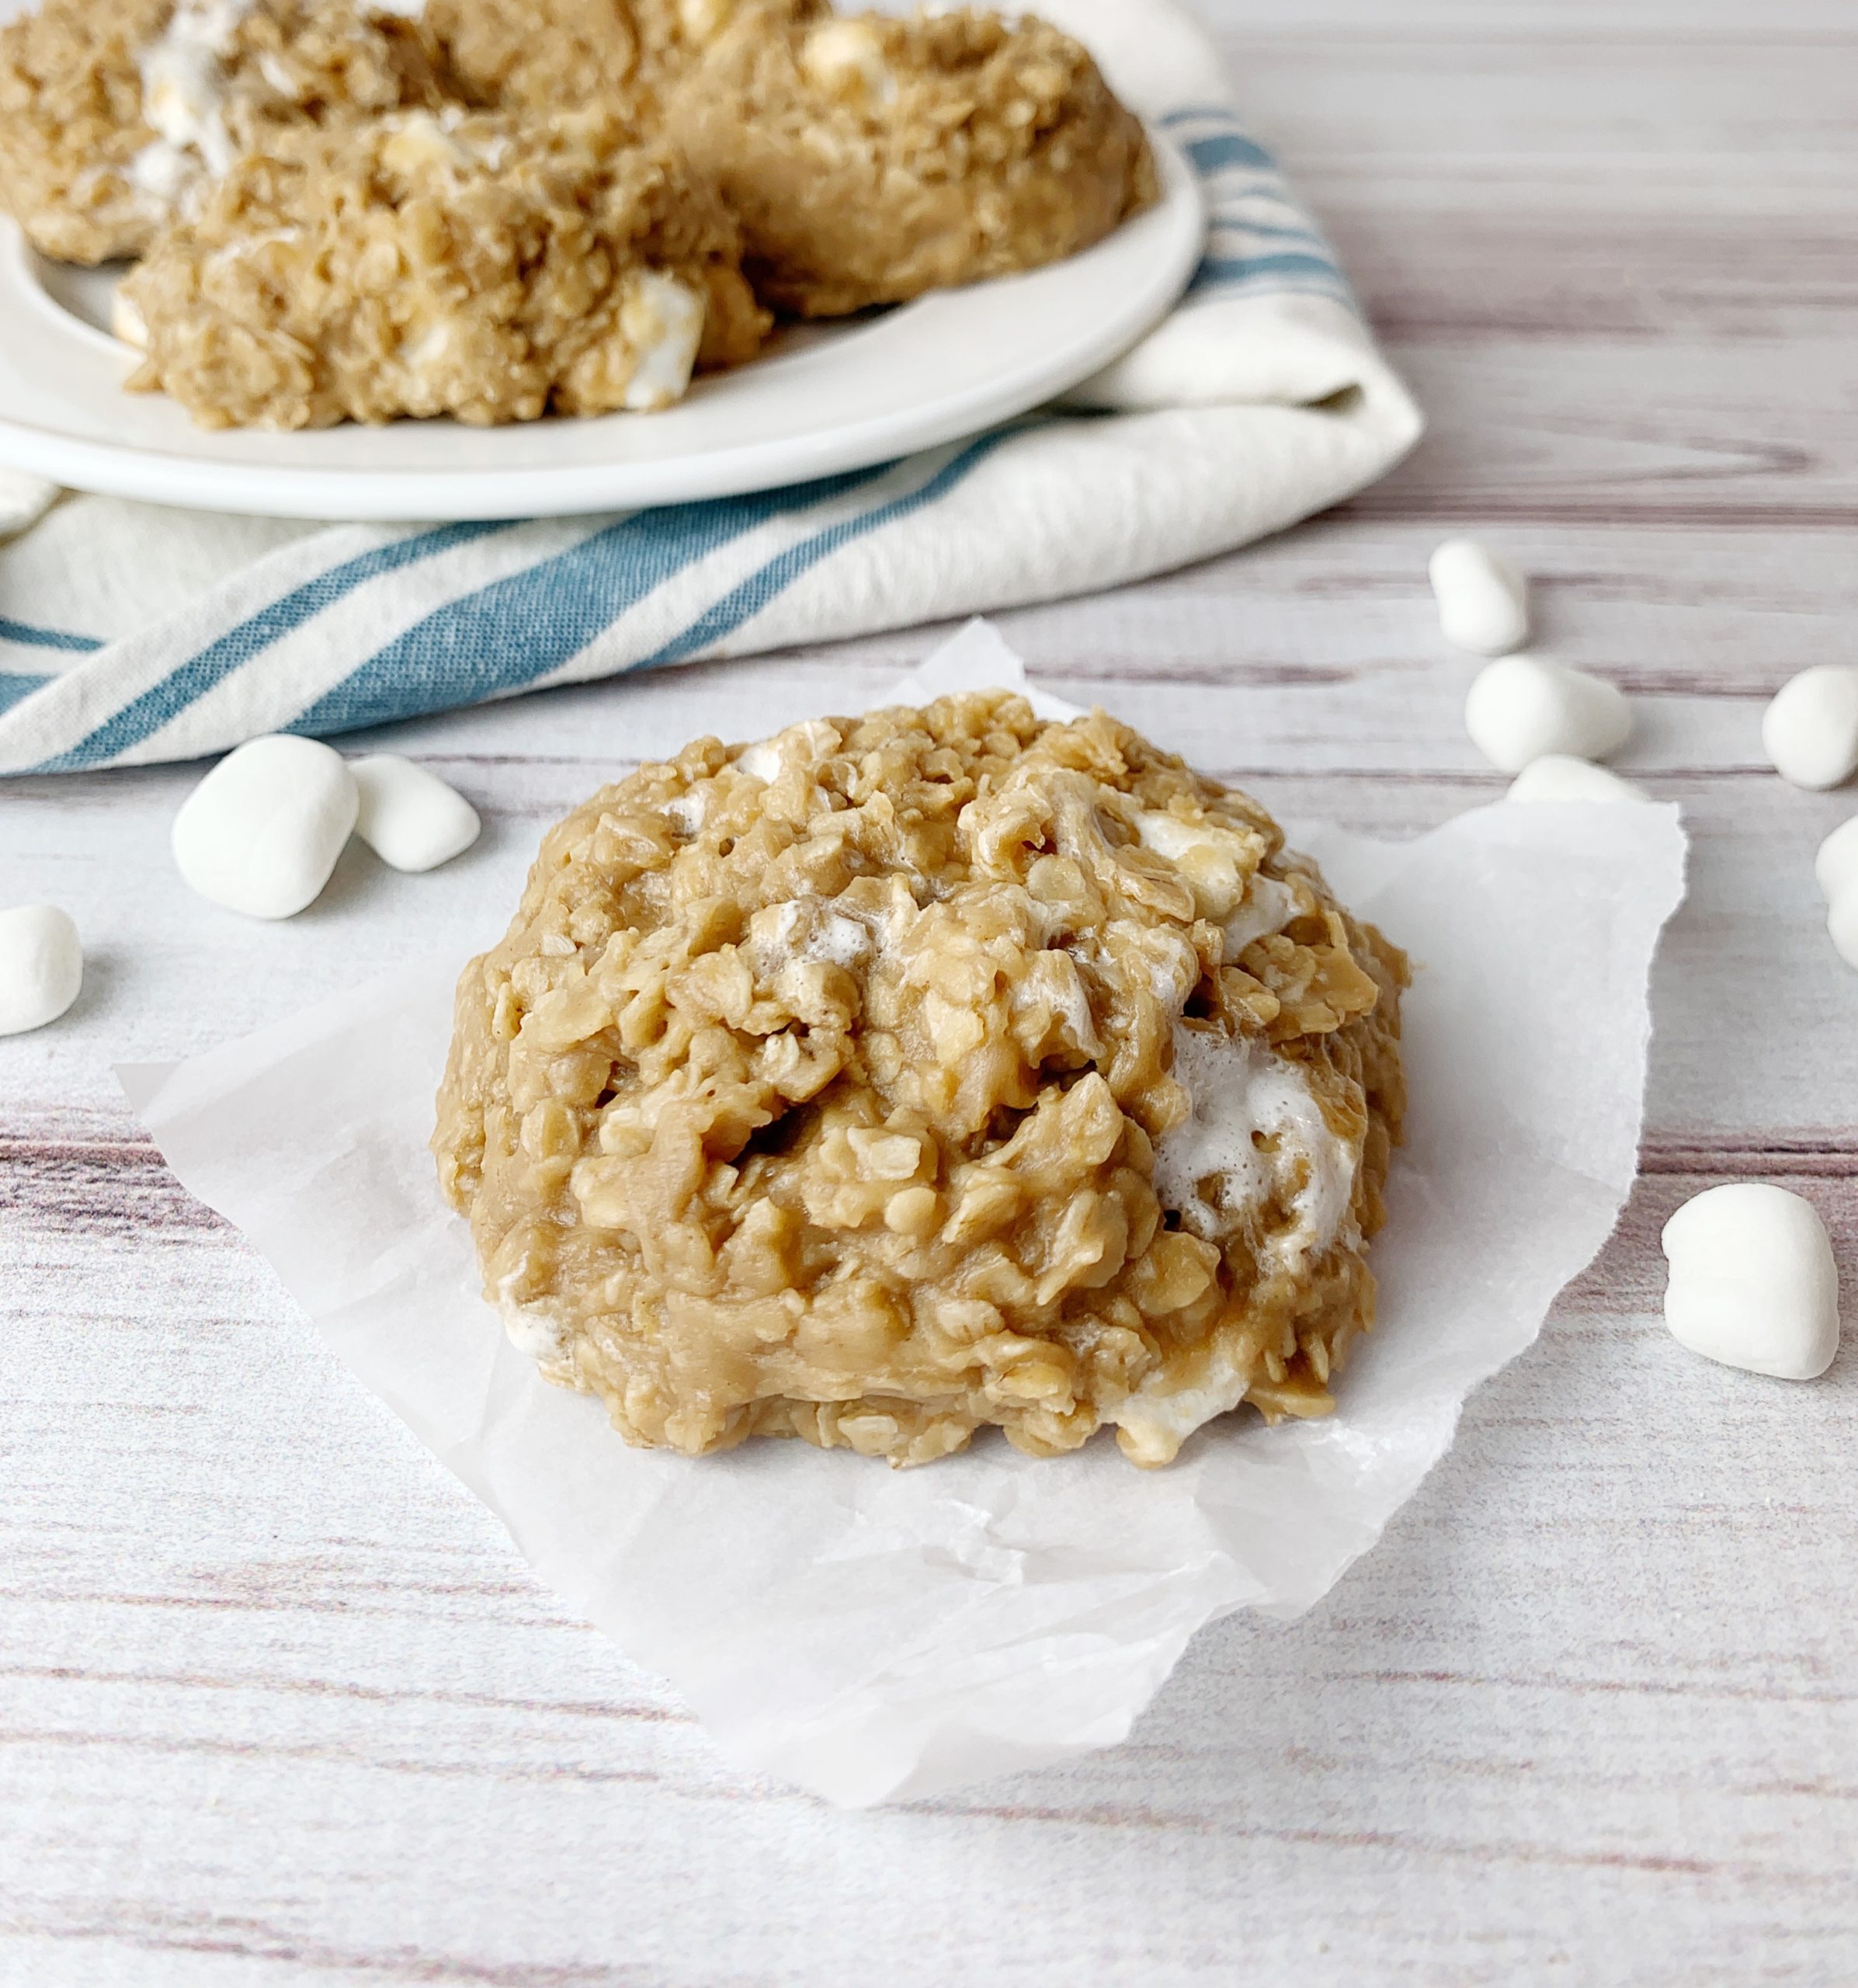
(33, 637)
(1234, 272)
(1228, 149)
(1221, 149)
(1268, 231)
(146, 715)
(744, 602)
(16, 684)
(504, 636)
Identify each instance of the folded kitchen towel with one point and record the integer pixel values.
(131, 634)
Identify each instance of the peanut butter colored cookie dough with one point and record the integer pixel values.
(116, 114)
(462, 264)
(526, 53)
(871, 159)
(915, 1072)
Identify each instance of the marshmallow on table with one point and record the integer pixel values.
(41, 967)
(1520, 709)
(408, 817)
(1841, 927)
(1560, 777)
(1810, 729)
(1835, 867)
(1483, 599)
(260, 833)
(1753, 1283)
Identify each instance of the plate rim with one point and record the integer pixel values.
(485, 491)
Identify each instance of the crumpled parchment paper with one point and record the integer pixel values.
(873, 1635)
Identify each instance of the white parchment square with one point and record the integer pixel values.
(873, 1633)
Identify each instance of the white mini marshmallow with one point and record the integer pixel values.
(1810, 729)
(127, 323)
(1841, 927)
(24, 500)
(41, 966)
(260, 833)
(1560, 777)
(1835, 867)
(1752, 1281)
(1483, 599)
(409, 817)
(1522, 708)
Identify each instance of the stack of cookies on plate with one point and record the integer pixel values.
(355, 210)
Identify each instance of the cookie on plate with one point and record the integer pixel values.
(524, 53)
(870, 159)
(911, 1073)
(465, 263)
(116, 114)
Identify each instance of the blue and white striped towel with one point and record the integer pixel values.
(131, 634)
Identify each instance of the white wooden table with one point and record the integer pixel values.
(280, 1705)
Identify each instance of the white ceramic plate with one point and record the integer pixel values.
(820, 402)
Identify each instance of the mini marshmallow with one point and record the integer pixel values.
(1521, 709)
(41, 966)
(1841, 927)
(126, 322)
(1835, 867)
(1559, 777)
(1810, 729)
(262, 833)
(1753, 1283)
(409, 817)
(1483, 599)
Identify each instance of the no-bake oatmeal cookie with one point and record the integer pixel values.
(465, 264)
(870, 159)
(525, 54)
(911, 1073)
(114, 117)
